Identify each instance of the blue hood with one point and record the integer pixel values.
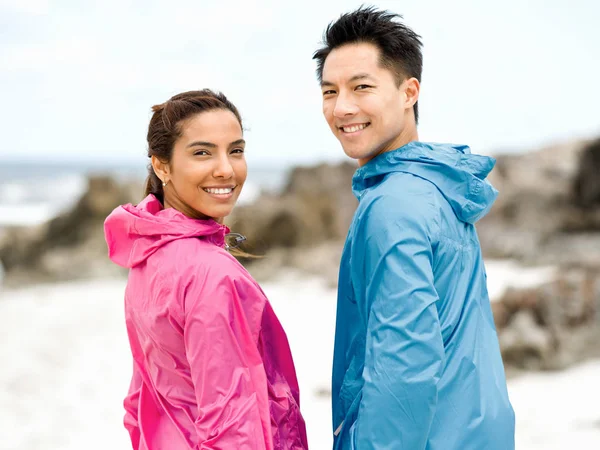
(458, 175)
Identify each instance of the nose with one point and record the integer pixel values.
(344, 106)
(223, 168)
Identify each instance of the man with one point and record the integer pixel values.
(417, 363)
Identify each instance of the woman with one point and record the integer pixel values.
(212, 365)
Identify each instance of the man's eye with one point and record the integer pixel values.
(329, 92)
(363, 86)
(237, 150)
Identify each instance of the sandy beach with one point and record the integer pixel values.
(66, 367)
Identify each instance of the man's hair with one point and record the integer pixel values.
(400, 47)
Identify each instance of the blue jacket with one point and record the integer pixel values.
(417, 363)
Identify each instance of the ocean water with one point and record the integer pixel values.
(32, 193)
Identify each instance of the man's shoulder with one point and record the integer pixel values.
(400, 195)
(408, 182)
(404, 187)
(388, 214)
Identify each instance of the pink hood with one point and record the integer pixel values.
(212, 365)
(133, 233)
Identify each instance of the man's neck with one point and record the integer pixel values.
(408, 134)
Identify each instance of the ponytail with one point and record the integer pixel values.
(154, 186)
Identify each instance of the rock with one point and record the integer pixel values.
(329, 187)
(547, 199)
(321, 260)
(552, 325)
(524, 343)
(316, 206)
(587, 180)
(70, 246)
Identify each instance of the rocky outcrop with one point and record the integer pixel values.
(548, 210)
(321, 260)
(70, 246)
(316, 206)
(553, 325)
(587, 180)
(303, 227)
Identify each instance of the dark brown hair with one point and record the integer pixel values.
(399, 46)
(166, 127)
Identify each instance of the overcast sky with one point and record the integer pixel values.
(77, 79)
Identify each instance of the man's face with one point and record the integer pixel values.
(362, 103)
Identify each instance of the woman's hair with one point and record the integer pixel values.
(166, 127)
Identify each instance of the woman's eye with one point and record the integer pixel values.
(201, 153)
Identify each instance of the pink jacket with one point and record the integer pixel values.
(212, 367)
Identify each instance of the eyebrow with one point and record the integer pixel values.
(211, 145)
(358, 76)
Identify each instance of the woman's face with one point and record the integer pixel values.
(208, 167)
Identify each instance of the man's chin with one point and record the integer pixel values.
(357, 154)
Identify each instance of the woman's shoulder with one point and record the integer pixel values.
(197, 254)
(203, 264)
(215, 279)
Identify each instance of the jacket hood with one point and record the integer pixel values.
(458, 175)
(133, 233)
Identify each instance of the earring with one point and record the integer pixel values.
(164, 183)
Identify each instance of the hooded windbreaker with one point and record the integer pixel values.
(212, 367)
(417, 363)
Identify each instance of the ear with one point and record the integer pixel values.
(161, 169)
(411, 92)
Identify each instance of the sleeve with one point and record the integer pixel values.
(404, 351)
(226, 368)
(131, 407)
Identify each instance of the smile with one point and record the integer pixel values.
(353, 128)
(219, 191)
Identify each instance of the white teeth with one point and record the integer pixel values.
(221, 191)
(354, 128)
